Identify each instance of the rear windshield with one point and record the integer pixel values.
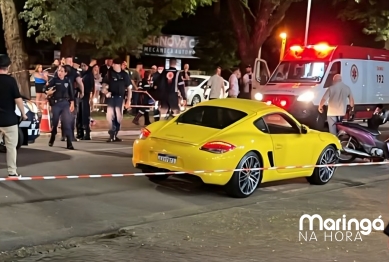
(211, 116)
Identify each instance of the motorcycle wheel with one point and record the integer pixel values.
(345, 158)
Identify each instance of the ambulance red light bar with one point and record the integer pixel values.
(296, 48)
(321, 50)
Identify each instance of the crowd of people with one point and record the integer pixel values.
(114, 86)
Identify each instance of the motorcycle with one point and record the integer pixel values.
(363, 142)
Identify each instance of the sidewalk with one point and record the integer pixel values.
(267, 231)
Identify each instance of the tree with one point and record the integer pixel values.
(109, 24)
(253, 22)
(373, 14)
(15, 47)
(217, 48)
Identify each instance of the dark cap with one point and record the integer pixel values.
(117, 61)
(248, 66)
(4, 60)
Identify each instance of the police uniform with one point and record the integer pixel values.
(117, 83)
(72, 76)
(60, 107)
(143, 100)
(172, 82)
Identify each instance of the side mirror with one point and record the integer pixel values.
(304, 129)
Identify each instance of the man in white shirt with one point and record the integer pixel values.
(233, 92)
(337, 95)
(216, 83)
(247, 83)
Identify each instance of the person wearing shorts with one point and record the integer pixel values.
(40, 79)
(174, 85)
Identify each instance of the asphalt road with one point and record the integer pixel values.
(39, 212)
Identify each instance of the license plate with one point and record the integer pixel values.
(167, 158)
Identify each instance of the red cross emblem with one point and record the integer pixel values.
(354, 73)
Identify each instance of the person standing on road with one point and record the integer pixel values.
(216, 83)
(247, 83)
(61, 98)
(136, 77)
(114, 87)
(233, 92)
(337, 96)
(173, 84)
(75, 79)
(83, 125)
(9, 123)
(158, 90)
(145, 85)
(103, 71)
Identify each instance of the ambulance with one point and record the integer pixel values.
(303, 76)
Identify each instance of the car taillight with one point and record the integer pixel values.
(144, 133)
(217, 147)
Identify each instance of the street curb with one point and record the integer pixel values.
(104, 133)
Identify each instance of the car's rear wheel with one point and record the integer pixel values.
(243, 183)
(154, 177)
(322, 175)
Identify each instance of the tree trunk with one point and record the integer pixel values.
(216, 8)
(15, 47)
(68, 47)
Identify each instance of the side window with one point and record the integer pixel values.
(261, 72)
(260, 124)
(335, 69)
(281, 124)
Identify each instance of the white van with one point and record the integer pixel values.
(301, 79)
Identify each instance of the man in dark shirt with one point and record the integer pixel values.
(103, 71)
(9, 121)
(83, 117)
(114, 87)
(172, 83)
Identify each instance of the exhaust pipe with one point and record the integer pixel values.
(355, 152)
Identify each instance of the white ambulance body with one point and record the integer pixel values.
(301, 79)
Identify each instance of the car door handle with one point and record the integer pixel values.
(278, 146)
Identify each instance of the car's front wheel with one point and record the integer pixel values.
(323, 174)
(243, 183)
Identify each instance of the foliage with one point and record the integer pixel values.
(373, 14)
(217, 49)
(114, 25)
(253, 22)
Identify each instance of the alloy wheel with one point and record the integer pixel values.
(328, 157)
(249, 179)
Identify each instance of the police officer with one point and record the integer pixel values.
(83, 116)
(172, 82)
(76, 80)
(114, 87)
(61, 98)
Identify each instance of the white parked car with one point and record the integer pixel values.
(195, 89)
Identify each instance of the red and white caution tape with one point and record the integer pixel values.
(185, 172)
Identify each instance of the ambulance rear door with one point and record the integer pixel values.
(354, 75)
(378, 75)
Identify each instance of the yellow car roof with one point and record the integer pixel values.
(244, 105)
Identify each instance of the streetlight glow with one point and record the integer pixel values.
(283, 35)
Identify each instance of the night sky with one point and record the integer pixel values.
(324, 27)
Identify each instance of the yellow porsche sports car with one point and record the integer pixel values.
(222, 135)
